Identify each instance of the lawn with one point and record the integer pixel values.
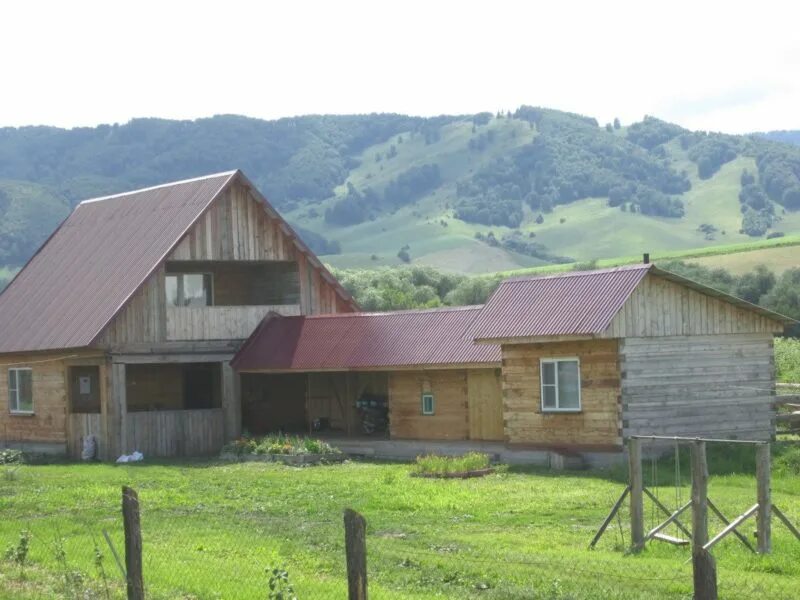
(210, 530)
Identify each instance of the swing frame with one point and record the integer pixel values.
(699, 503)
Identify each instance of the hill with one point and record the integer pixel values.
(470, 193)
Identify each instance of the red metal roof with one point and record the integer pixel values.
(100, 255)
(418, 338)
(572, 303)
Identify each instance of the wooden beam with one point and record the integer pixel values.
(667, 512)
(231, 402)
(785, 520)
(763, 480)
(699, 495)
(355, 540)
(725, 520)
(704, 575)
(637, 497)
(733, 525)
(610, 516)
(673, 517)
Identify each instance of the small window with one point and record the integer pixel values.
(20, 391)
(561, 385)
(427, 404)
(189, 289)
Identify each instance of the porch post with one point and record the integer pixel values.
(231, 402)
(116, 413)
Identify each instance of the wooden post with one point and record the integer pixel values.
(231, 402)
(704, 575)
(699, 495)
(764, 499)
(637, 496)
(116, 412)
(355, 542)
(133, 543)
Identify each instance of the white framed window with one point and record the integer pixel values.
(20, 391)
(561, 384)
(190, 289)
(428, 406)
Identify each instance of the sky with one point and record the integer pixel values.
(719, 66)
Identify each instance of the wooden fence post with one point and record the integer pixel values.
(699, 495)
(133, 543)
(764, 499)
(704, 575)
(355, 542)
(637, 495)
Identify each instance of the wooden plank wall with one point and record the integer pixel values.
(168, 433)
(80, 426)
(235, 228)
(718, 386)
(48, 424)
(219, 322)
(451, 418)
(659, 307)
(485, 401)
(598, 423)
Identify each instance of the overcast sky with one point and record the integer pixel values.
(724, 66)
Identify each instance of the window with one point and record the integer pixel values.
(561, 384)
(427, 403)
(20, 391)
(189, 289)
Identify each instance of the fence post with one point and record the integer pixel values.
(699, 495)
(637, 494)
(355, 542)
(705, 575)
(133, 543)
(764, 499)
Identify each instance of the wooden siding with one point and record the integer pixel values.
(168, 433)
(598, 422)
(451, 416)
(219, 322)
(333, 396)
(485, 401)
(718, 386)
(659, 307)
(234, 228)
(81, 425)
(48, 424)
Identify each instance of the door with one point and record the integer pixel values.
(485, 399)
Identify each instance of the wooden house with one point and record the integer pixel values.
(123, 325)
(168, 320)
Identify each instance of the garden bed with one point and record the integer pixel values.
(472, 464)
(289, 450)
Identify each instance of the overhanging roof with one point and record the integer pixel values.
(353, 341)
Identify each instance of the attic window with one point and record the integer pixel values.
(189, 289)
(560, 384)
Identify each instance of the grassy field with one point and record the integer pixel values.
(210, 530)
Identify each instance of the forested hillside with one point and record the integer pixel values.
(472, 193)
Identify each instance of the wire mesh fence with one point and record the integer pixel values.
(81, 553)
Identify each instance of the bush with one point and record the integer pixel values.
(279, 444)
(433, 464)
(787, 359)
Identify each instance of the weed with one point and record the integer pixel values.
(439, 465)
(280, 588)
(19, 553)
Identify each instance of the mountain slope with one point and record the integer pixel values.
(471, 193)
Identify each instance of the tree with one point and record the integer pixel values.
(616, 123)
(609, 128)
(755, 284)
(404, 254)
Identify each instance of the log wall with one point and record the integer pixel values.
(450, 420)
(598, 422)
(168, 433)
(713, 386)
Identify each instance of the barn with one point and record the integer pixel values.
(566, 364)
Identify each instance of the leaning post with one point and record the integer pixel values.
(637, 493)
(133, 543)
(764, 516)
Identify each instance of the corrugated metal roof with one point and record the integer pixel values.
(99, 257)
(572, 303)
(419, 338)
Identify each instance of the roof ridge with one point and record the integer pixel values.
(565, 274)
(160, 185)
(406, 311)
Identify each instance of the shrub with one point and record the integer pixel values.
(438, 465)
(279, 444)
(787, 359)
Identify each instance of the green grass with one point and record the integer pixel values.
(787, 359)
(211, 530)
(433, 464)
